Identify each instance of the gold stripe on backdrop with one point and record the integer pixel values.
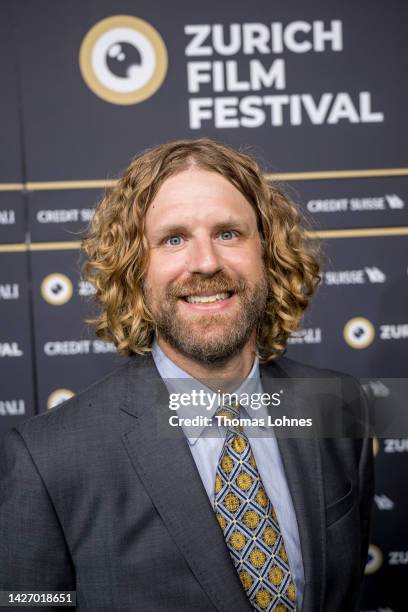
(39, 246)
(360, 233)
(54, 246)
(11, 186)
(365, 232)
(337, 174)
(279, 176)
(13, 248)
(62, 185)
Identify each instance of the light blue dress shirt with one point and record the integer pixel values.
(206, 444)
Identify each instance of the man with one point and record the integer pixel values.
(202, 271)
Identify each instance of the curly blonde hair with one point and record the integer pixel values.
(117, 249)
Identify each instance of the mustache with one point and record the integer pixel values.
(220, 284)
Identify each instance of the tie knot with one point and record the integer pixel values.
(227, 415)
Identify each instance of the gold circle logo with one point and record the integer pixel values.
(123, 59)
(56, 289)
(359, 333)
(375, 560)
(58, 397)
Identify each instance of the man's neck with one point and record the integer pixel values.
(228, 375)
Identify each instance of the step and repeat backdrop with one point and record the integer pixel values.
(315, 91)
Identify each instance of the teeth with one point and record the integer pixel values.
(204, 299)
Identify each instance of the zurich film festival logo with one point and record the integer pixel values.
(56, 289)
(123, 59)
(359, 333)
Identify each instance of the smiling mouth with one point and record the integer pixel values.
(207, 299)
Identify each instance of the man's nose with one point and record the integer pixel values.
(203, 257)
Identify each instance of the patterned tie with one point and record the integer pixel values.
(249, 523)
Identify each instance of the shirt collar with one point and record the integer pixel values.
(179, 381)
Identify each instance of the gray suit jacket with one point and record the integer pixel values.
(95, 496)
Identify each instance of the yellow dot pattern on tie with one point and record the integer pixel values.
(275, 575)
(237, 540)
(251, 519)
(246, 579)
(239, 444)
(257, 558)
(244, 481)
(269, 536)
(263, 598)
(218, 484)
(250, 524)
(227, 464)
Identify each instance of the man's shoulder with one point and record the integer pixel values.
(74, 437)
(330, 391)
(299, 369)
(93, 407)
(343, 385)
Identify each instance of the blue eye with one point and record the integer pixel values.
(174, 240)
(227, 235)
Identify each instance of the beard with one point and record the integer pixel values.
(210, 339)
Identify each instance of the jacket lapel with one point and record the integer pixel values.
(164, 463)
(303, 470)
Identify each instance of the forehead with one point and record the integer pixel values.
(198, 195)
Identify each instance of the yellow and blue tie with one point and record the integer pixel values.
(249, 523)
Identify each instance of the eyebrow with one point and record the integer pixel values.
(175, 228)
